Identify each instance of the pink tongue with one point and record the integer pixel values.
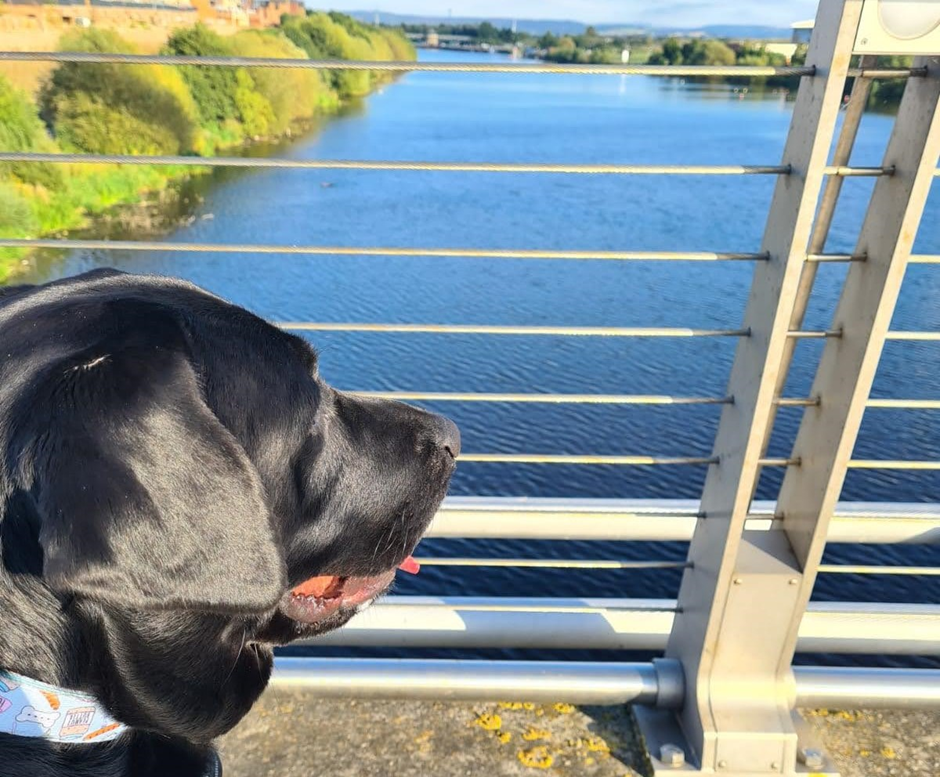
(410, 566)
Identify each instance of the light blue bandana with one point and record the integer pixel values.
(29, 708)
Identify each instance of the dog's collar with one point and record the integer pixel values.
(29, 708)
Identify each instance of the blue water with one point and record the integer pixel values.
(530, 118)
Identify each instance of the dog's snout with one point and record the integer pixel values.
(447, 435)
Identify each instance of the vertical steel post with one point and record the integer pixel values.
(847, 367)
(727, 635)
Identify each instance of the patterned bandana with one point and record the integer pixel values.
(29, 708)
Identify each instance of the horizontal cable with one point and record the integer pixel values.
(368, 164)
(863, 569)
(492, 329)
(809, 335)
(426, 67)
(639, 606)
(547, 458)
(539, 458)
(893, 464)
(540, 563)
(903, 404)
(756, 71)
(425, 166)
(909, 404)
(902, 335)
(796, 402)
(66, 244)
(844, 171)
(560, 399)
(820, 258)
(620, 399)
(472, 253)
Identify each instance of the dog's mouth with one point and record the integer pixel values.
(321, 597)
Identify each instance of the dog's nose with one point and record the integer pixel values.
(447, 435)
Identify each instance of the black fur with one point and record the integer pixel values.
(171, 466)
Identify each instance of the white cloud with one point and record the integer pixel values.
(666, 13)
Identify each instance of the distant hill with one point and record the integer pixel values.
(531, 26)
(571, 27)
(752, 31)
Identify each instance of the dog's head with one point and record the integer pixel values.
(165, 451)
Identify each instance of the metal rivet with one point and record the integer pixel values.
(775, 766)
(792, 581)
(738, 581)
(672, 755)
(722, 764)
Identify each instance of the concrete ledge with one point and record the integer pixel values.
(289, 734)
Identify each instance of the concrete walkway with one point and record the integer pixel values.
(292, 736)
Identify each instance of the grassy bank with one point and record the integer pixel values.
(199, 111)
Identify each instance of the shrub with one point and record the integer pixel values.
(16, 215)
(22, 130)
(213, 88)
(117, 109)
(323, 38)
(293, 94)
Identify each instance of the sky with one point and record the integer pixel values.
(660, 13)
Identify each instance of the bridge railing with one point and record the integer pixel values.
(724, 692)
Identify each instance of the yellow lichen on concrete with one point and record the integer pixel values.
(503, 736)
(533, 734)
(536, 757)
(563, 708)
(488, 722)
(510, 705)
(888, 752)
(596, 745)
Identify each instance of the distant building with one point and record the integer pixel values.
(787, 50)
(802, 31)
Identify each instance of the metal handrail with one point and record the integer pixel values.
(616, 624)
(658, 683)
(663, 520)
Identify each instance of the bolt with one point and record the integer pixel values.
(722, 764)
(738, 581)
(811, 758)
(792, 581)
(672, 755)
(775, 766)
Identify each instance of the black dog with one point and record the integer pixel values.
(172, 469)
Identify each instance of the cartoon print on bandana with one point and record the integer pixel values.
(77, 721)
(7, 685)
(33, 722)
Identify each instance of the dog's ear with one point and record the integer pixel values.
(146, 500)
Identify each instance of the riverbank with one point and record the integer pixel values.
(115, 109)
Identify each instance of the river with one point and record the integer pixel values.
(532, 118)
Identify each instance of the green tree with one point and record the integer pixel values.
(115, 109)
(672, 52)
(213, 88)
(548, 41)
(487, 33)
(21, 129)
